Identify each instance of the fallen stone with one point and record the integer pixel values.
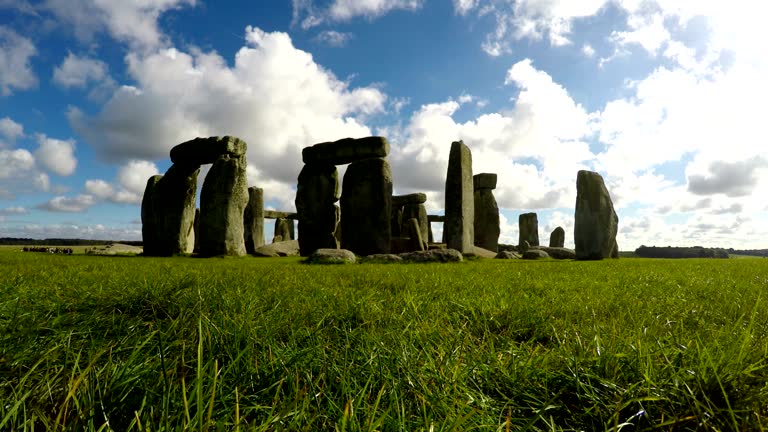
(253, 220)
(529, 229)
(484, 181)
(201, 151)
(279, 249)
(534, 254)
(557, 238)
(559, 252)
(596, 222)
(366, 206)
(433, 255)
(482, 253)
(459, 227)
(346, 151)
(222, 204)
(331, 256)
(383, 258)
(505, 254)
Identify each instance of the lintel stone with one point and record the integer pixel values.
(201, 151)
(346, 151)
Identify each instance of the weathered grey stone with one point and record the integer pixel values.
(331, 256)
(383, 258)
(346, 151)
(484, 181)
(523, 247)
(534, 254)
(396, 221)
(149, 229)
(283, 248)
(459, 227)
(284, 230)
(414, 198)
(196, 227)
(433, 255)
(596, 222)
(172, 204)
(316, 196)
(615, 250)
(482, 253)
(557, 238)
(529, 229)
(507, 255)
(222, 205)
(366, 207)
(414, 233)
(274, 214)
(418, 212)
(559, 252)
(201, 151)
(253, 220)
(487, 224)
(277, 239)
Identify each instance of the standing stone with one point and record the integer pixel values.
(414, 233)
(196, 225)
(396, 222)
(283, 230)
(596, 221)
(487, 224)
(149, 231)
(459, 227)
(254, 220)
(366, 207)
(529, 229)
(173, 207)
(557, 238)
(316, 196)
(418, 212)
(430, 236)
(222, 205)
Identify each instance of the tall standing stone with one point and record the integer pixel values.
(149, 222)
(596, 222)
(557, 238)
(366, 207)
(459, 228)
(316, 196)
(222, 205)
(172, 203)
(284, 230)
(487, 224)
(253, 220)
(529, 229)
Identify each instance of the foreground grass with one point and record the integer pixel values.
(100, 343)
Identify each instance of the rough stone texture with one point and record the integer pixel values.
(482, 253)
(196, 228)
(222, 205)
(414, 198)
(274, 214)
(396, 221)
(559, 252)
(529, 229)
(507, 255)
(414, 233)
(316, 196)
(615, 250)
(459, 227)
(331, 256)
(149, 231)
(438, 246)
(534, 254)
(484, 181)
(487, 225)
(418, 212)
(283, 248)
(253, 220)
(201, 151)
(171, 210)
(523, 247)
(284, 230)
(277, 239)
(366, 206)
(346, 151)
(596, 222)
(433, 255)
(383, 258)
(557, 238)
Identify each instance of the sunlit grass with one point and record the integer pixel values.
(131, 343)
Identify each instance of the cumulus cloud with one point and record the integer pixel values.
(10, 130)
(734, 179)
(77, 204)
(131, 182)
(78, 72)
(14, 211)
(55, 155)
(333, 38)
(462, 7)
(308, 15)
(15, 68)
(274, 96)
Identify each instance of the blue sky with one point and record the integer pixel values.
(665, 98)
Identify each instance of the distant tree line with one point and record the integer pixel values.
(751, 252)
(680, 252)
(62, 242)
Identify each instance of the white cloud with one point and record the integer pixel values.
(462, 7)
(333, 38)
(94, 232)
(15, 69)
(56, 155)
(588, 50)
(305, 12)
(133, 22)
(274, 96)
(99, 189)
(14, 211)
(77, 204)
(15, 162)
(10, 130)
(647, 31)
(133, 175)
(78, 72)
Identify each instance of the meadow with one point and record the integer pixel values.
(165, 344)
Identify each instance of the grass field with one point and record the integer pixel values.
(132, 343)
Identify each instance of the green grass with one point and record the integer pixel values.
(150, 344)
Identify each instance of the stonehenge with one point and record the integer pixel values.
(529, 229)
(459, 227)
(406, 207)
(253, 220)
(366, 207)
(487, 228)
(596, 222)
(557, 238)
